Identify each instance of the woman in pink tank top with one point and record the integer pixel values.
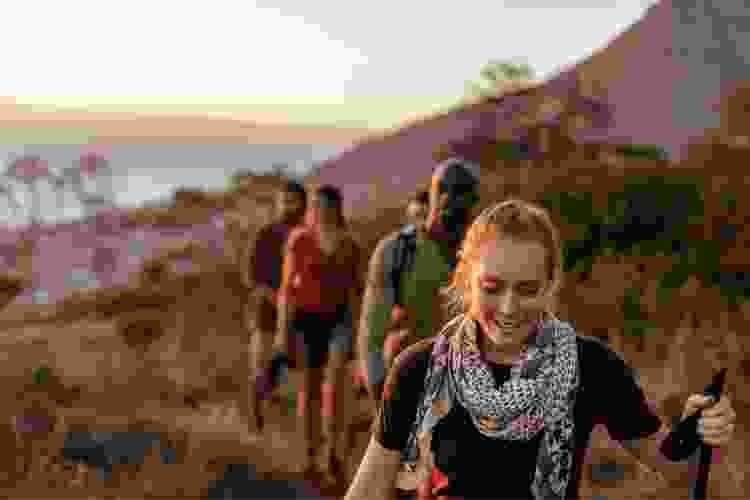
(321, 285)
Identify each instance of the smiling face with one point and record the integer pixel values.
(508, 281)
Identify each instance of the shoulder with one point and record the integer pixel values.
(598, 350)
(601, 366)
(384, 249)
(388, 241)
(419, 349)
(412, 362)
(298, 234)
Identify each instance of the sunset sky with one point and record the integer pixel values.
(372, 64)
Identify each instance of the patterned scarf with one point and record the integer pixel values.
(539, 396)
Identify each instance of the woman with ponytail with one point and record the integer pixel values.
(501, 402)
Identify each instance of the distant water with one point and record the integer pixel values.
(148, 173)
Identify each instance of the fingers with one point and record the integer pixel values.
(693, 403)
(697, 402)
(717, 423)
(716, 436)
(723, 407)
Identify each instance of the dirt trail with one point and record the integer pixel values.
(119, 393)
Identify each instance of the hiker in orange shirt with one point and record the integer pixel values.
(319, 296)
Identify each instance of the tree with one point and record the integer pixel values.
(497, 73)
(30, 169)
(7, 192)
(234, 182)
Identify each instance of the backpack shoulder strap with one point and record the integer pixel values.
(405, 251)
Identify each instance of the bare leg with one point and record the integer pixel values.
(334, 408)
(308, 408)
(262, 346)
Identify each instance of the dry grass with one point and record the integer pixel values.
(200, 352)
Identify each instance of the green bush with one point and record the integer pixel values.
(652, 215)
(642, 151)
(40, 375)
(511, 151)
(728, 200)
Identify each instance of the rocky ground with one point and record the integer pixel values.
(104, 440)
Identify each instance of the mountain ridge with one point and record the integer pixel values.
(123, 127)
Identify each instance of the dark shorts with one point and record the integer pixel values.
(320, 333)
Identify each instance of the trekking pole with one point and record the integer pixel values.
(684, 439)
(714, 390)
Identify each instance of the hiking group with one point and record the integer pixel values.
(497, 401)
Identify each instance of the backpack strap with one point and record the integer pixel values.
(406, 248)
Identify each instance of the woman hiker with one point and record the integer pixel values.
(321, 285)
(501, 403)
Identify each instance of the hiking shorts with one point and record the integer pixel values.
(319, 333)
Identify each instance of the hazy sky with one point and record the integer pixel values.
(373, 63)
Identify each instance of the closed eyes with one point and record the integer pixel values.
(524, 290)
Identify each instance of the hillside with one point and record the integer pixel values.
(177, 333)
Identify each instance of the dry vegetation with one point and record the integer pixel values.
(170, 351)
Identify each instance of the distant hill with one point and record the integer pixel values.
(636, 76)
(24, 124)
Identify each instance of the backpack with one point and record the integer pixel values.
(406, 249)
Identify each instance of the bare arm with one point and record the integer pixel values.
(357, 290)
(285, 306)
(376, 476)
(376, 308)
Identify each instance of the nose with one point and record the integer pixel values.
(508, 303)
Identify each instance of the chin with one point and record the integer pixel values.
(517, 336)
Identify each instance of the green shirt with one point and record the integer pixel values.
(419, 287)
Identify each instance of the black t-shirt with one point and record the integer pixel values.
(482, 467)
